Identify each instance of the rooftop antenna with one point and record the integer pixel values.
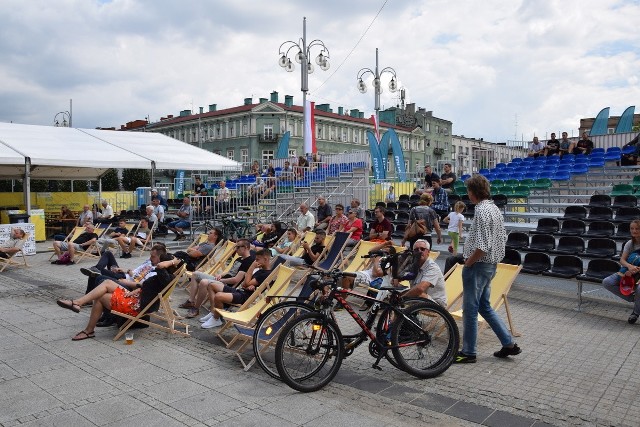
(515, 135)
(402, 97)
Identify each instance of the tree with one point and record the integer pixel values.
(134, 178)
(110, 181)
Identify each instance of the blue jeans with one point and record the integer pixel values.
(476, 285)
(181, 223)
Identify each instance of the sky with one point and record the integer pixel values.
(498, 69)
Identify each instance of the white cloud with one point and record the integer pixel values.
(478, 64)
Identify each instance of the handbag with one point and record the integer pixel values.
(416, 229)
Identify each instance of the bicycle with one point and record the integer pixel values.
(234, 228)
(421, 335)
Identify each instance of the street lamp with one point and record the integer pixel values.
(66, 119)
(377, 85)
(302, 55)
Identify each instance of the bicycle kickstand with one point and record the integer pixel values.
(376, 364)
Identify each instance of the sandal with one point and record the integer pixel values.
(69, 305)
(83, 335)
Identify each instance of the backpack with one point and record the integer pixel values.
(64, 258)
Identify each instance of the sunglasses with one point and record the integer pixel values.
(420, 249)
(339, 209)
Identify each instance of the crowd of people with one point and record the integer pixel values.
(560, 147)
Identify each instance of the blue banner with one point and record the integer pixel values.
(398, 155)
(283, 146)
(384, 151)
(376, 159)
(179, 185)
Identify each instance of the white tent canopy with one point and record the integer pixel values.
(48, 152)
(69, 153)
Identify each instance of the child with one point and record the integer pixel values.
(284, 246)
(454, 230)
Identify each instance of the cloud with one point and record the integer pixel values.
(478, 64)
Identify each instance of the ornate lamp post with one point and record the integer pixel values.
(377, 85)
(301, 52)
(66, 119)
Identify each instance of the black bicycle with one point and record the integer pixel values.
(421, 336)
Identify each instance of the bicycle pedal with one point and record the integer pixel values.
(375, 366)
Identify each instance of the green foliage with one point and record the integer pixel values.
(110, 181)
(5, 186)
(39, 185)
(134, 178)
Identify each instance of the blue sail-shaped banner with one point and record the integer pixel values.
(384, 151)
(398, 155)
(283, 146)
(376, 159)
(600, 125)
(625, 124)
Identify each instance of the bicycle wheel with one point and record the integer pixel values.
(309, 355)
(267, 329)
(428, 350)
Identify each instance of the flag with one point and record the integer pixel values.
(309, 130)
(376, 126)
(283, 146)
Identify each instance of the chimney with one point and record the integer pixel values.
(248, 101)
(185, 113)
(213, 107)
(354, 113)
(201, 110)
(274, 96)
(341, 110)
(170, 116)
(362, 114)
(288, 100)
(263, 100)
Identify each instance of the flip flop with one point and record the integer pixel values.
(83, 335)
(69, 306)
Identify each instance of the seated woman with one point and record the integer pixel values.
(111, 296)
(630, 253)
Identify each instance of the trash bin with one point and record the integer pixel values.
(18, 218)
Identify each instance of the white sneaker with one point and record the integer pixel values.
(211, 323)
(205, 318)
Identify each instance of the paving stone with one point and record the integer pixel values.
(469, 411)
(113, 409)
(506, 419)
(173, 390)
(206, 405)
(298, 408)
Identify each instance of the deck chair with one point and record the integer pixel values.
(165, 313)
(148, 242)
(11, 260)
(73, 235)
(219, 260)
(269, 336)
(88, 252)
(332, 254)
(298, 250)
(275, 284)
(500, 286)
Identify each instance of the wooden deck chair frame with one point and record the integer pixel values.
(298, 251)
(227, 247)
(11, 262)
(500, 286)
(88, 251)
(277, 281)
(148, 243)
(73, 234)
(164, 313)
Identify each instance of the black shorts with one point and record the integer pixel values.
(239, 296)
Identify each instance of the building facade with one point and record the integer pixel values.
(469, 155)
(252, 131)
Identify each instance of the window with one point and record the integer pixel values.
(427, 127)
(344, 135)
(437, 129)
(218, 132)
(355, 136)
(193, 135)
(610, 131)
(218, 152)
(291, 129)
(232, 129)
(231, 154)
(268, 132)
(292, 153)
(266, 156)
(245, 129)
(319, 132)
(244, 155)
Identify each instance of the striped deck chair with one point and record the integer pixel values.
(500, 285)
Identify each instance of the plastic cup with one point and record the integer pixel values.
(128, 338)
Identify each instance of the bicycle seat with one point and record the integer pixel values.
(397, 289)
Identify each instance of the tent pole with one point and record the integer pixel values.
(153, 173)
(27, 184)
(100, 190)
